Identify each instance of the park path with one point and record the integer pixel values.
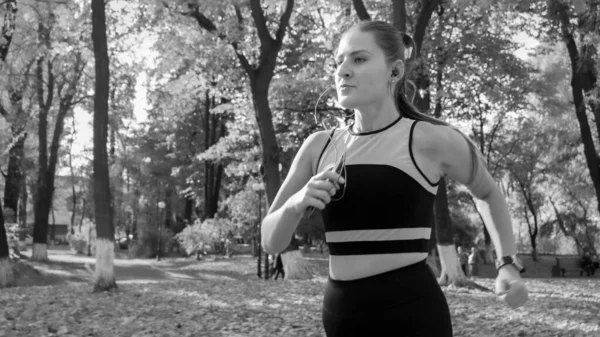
(126, 270)
(131, 270)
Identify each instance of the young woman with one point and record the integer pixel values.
(378, 211)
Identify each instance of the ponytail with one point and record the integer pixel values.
(398, 45)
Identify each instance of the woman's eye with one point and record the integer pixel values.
(359, 60)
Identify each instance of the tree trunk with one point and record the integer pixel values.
(259, 261)
(6, 271)
(168, 207)
(260, 76)
(533, 237)
(8, 27)
(83, 208)
(47, 174)
(73, 180)
(23, 199)
(214, 129)
(42, 199)
(43, 195)
(563, 228)
(189, 209)
(451, 271)
(488, 254)
(14, 175)
(589, 149)
(421, 73)
(267, 264)
(104, 276)
(270, 148)
(361, 10)
(532, 228)
(399, 14)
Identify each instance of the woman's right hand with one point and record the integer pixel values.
(317, 192)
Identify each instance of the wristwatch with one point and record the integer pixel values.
(514, 260)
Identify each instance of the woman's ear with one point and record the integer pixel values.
(398, 70)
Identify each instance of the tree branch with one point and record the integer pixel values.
(207, 24)
(361, 10)
(284, 21)
(261, 24)
(427, 9)
(399, 14)
(40, 80)
(202, 20)
(240, 17)
(243, 61)
(51, 81)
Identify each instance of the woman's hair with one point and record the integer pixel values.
(394, 43)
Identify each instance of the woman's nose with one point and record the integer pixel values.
(343, 72)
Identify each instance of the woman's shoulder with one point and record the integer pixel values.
(318, 138)
(314, 143)
(429, 137)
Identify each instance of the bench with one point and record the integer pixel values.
(568, 267)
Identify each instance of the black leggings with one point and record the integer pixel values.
(405, 302)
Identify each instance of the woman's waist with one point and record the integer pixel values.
(363, 267)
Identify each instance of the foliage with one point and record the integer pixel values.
(196, 237)
(165, 69)
(225, 298)
(78, 243)
(12, 236)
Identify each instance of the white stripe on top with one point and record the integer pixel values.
(379, 234)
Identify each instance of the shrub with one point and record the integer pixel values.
(202, 235)
(78, 243)
(12, 237)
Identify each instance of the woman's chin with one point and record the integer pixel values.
(347, 103)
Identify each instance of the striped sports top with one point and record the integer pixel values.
(383, 220)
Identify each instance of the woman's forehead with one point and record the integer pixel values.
(356, 40)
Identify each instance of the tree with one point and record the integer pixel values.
(13, 112)
(6, 268)
(8, 28)
(54, 82)
(583, 74)
(525, 171)
(260, 76)
(104, 273)
(214, 129)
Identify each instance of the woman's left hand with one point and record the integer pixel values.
(510, 288)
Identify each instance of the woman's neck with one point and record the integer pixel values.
(374, 117)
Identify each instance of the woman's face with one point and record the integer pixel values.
(362, 75)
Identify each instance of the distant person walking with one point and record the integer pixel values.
(463, 258)
(473, 263)
(587, 265)
(279, 267)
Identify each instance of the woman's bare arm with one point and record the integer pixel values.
(283, 216)
(450, 151)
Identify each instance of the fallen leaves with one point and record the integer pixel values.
(235, 306)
